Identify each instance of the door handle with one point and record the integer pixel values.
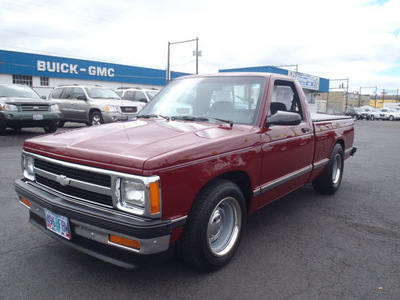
(304, 130)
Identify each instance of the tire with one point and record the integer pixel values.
(61, 124)
(372, 118)
(2, 129)
(391, 118)
(214, 226)
(355, 117)
(95, 119)
(330, 181)
(51, 127)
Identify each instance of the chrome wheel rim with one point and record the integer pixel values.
(96, 120)
(336, 168)
(224, 226)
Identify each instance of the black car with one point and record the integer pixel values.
(355, 112)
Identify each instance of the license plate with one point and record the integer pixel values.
(130, 118)
(58, 224)
(37, 117)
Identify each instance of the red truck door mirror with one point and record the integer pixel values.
(284, 118)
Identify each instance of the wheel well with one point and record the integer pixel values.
(341, 143)
(92, 111)
(242, 180)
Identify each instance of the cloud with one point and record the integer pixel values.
(356, 39)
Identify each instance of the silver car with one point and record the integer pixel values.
(390, 114)
(93, 105)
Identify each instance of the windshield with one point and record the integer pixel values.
(233, 99)
(101, 93)
(17, 91)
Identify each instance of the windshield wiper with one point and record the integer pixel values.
(189, 118)
(153, 116)
(200, 119)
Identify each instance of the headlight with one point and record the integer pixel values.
(111, 108)
(132, 193)
(54, 107)
(9, 107)
(28, 164)
(139, 195)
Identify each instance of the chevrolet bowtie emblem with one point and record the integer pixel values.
(63, 180)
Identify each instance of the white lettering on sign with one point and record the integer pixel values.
(56, 67)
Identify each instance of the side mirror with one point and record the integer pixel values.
(81, 97)
(143, 100)
(43, 97)
(284, 118)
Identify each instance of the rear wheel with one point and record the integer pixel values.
(95, 119)
(214, 226)
(330, 181)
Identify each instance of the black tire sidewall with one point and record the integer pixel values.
(95, 113)
(197, 223)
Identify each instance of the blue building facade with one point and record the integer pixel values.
(27, 64)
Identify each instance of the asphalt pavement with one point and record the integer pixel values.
(303, 246)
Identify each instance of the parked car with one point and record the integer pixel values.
(370, 113)
(355, 112)
(390, 114)
(21, 106)
(136, 94)
(93, 105)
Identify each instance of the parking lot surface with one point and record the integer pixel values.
(303, 246)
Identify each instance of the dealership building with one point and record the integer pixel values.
(44, 72)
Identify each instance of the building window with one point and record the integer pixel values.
(44, 81)
(22, 79)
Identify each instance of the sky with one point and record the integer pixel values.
(355, 39)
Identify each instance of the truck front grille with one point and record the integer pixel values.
(75, 192)
(95, 178)
(75, 181)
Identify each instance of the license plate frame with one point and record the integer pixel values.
(37, 117)
(58, 224)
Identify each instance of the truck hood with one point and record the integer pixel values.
(142, 144)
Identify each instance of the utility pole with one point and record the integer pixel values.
(180, 42)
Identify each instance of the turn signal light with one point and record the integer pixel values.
(25, 202)
(124, 241)
(154, 198)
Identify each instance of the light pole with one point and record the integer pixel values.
(180, 42)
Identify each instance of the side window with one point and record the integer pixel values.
(56, 94)
(129, 95)
(67, 93)
(285, 98)
(76, 92)
(140, 95)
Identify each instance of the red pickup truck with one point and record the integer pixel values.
(183, 176)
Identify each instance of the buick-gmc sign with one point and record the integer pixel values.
(57, 67)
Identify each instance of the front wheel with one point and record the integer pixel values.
(214, 226)
(372, 118)
(95, 119)
(51, 127)
(391, 118)
(330, 181)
